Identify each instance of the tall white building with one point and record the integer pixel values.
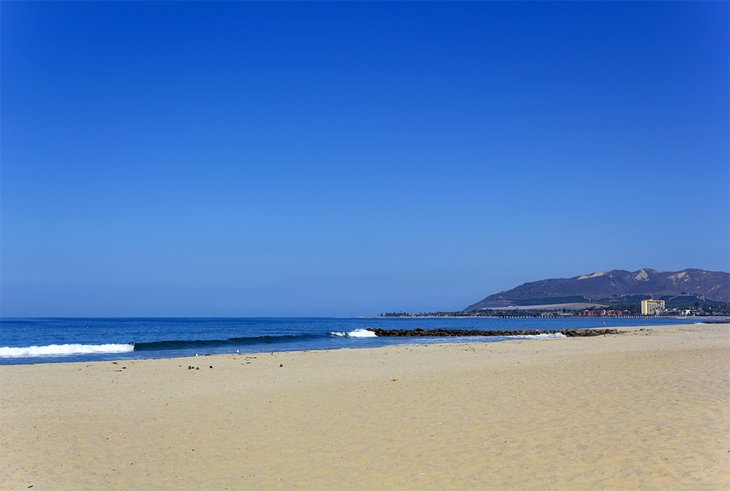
(652, 307)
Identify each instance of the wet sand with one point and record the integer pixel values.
(648, 408)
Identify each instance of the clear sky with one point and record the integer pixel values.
(353, 158)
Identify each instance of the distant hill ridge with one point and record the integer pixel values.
(614, 287)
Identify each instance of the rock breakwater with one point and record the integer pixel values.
(571, 333)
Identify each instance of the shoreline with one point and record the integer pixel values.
(55, 353)
(647, 408)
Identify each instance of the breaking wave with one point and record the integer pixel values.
(539, 336)
(63, 350)
(357, 333)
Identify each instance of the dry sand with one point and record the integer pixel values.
(647, 409)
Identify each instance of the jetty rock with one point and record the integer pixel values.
(571, 333)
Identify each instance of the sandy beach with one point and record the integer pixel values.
(648, 408)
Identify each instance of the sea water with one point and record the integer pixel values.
(46, 340)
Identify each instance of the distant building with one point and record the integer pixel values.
(652, 307)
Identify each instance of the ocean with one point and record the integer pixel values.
(49, 340)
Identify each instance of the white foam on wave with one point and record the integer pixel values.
(540, 336)
(357, 333)
(63, 350)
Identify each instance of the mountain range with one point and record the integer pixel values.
(615, 287)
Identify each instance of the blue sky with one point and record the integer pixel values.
(285, 159)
